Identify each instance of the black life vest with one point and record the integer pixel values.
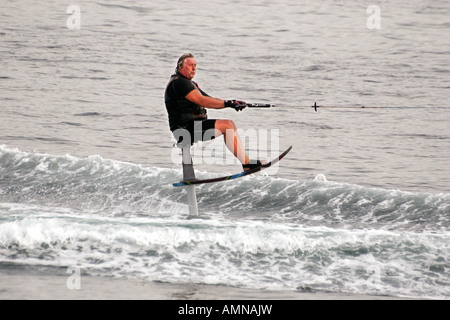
(181, 111)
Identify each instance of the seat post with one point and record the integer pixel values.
(189, 174)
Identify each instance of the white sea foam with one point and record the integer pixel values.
(244, 253)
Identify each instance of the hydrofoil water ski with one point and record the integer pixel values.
(233, 176)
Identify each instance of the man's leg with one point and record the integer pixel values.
(232, 139)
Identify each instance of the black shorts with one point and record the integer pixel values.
(201, 130)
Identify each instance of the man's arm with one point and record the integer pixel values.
(204, 101)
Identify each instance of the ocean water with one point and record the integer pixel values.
(360, 205)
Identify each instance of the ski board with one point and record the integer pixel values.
(234, 176)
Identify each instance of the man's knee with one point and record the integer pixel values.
(231, 125)
(224, 125)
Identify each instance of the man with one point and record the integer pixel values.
(186, 105)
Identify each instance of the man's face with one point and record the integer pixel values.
(189, 68)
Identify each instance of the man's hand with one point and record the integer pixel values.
(237, 105)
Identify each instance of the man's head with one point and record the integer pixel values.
(187, 65)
